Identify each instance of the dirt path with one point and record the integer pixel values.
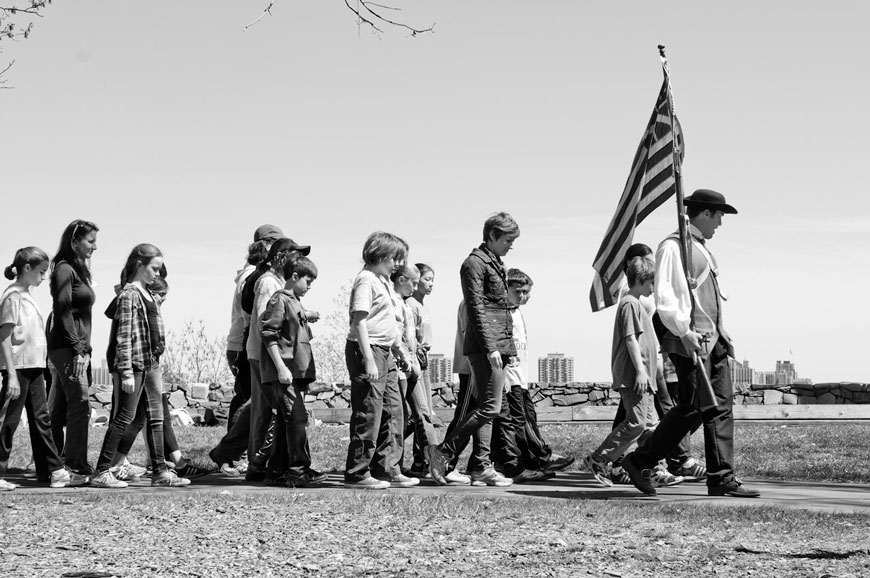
(825, 497)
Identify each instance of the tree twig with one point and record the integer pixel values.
(266, 12)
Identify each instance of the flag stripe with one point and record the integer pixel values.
(651, 181)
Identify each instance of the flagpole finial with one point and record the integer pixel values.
(662, 50)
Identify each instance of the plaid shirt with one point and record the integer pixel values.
(133, 349)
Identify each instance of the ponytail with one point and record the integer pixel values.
(33, 256)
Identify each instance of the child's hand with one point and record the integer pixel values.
(13, 390)
(284, 375)
(371, 369)
(128, 383)
(641, 382)
(494, 359)
(312, 316)
(80, 367)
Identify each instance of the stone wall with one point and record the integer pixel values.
(803, 394)
(208, 403)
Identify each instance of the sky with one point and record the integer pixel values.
(167, 122)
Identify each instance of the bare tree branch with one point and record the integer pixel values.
(368, 7)
(267, 11)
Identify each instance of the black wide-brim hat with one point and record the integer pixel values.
(707, 199)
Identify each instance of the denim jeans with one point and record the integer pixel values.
(147, 385)
(718, 422)
(490, 388)
(418, 416)
(69, 406)
(170, 444)
(376, 418)
(32, 400)
(640, 421)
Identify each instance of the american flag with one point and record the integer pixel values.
(651, 182)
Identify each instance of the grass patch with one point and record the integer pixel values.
(802, 452)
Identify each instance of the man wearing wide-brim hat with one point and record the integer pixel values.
(691, 331)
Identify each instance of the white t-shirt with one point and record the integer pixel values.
(374, 295)
(518, 373)
(29, 347)
(265, 287)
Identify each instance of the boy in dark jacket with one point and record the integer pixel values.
(287, 365)
(488, 346)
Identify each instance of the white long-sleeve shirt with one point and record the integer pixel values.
(673, 300)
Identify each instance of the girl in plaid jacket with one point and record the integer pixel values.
(139, 341)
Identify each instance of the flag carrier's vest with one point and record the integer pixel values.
(707, 315)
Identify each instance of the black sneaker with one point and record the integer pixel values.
(641, 478)
(315, 477)
(557, 463)
(254, 474)
(191, 471)
(733, 488)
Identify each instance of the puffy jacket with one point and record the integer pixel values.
(484, 288)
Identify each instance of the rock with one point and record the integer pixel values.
(177, 399)
(198, 391)
(861, 397)
(752, 400)
(448, 397)
(214, 417)
(323, 395)
(438, 401)
(103, 397)
(310, 398)
(807, 400)
(789, 399)
(558, 400)
(214, 396)
(772, 397)
(827, 397)
(576, 398)
(339, 402)
(319, 387)
(546, 402)
(318, 404)
(596, 395)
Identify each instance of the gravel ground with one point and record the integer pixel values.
(347, 533)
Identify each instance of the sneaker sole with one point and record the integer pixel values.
(493, 484)
(358, 487)
(599, 477)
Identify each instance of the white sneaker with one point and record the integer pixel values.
(63, 478)
(124, 473)
(490, 477)
(107, 480)
(457, 479)
(7, 486)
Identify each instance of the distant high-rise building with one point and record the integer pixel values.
(440, 368)
(101, 375)
(741, 373)
(555, 368)
(785, 373)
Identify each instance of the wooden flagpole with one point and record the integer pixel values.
(706, 395)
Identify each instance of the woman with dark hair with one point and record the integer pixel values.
(69, 342)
